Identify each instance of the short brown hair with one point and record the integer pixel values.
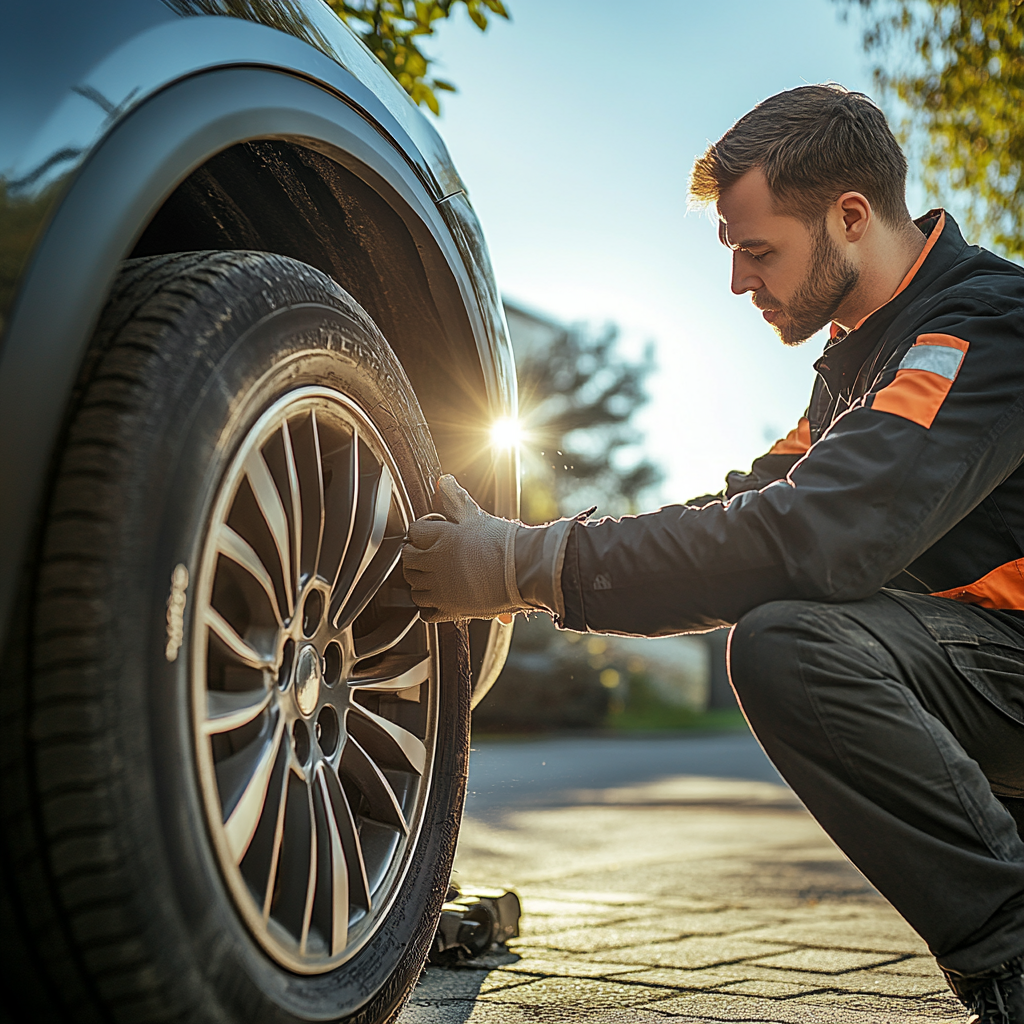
(813, 144)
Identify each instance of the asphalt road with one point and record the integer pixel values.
(565, 770)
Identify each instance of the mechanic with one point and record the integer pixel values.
(872, 562)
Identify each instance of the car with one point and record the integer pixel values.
(248, 318)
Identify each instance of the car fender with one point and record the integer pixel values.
(143, 154)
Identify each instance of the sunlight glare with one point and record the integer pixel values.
(507, 433)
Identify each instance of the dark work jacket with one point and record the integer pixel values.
(906, 472)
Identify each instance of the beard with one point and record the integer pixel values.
(814, 304)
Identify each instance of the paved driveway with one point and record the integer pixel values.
(670, 880)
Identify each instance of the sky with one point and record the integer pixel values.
(575, 127)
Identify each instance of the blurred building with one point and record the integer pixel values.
(562, 681)
(531, 331)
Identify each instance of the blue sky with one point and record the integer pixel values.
(575, 127)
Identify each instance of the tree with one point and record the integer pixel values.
(577, 397)
(393, 30)
(961, 86)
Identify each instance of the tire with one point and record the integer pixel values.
(239, 758)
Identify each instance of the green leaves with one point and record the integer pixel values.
(957, 68)
(392, 29)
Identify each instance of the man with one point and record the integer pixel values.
(872, 561)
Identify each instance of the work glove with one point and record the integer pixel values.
(462, 566)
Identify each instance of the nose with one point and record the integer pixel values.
(743, 277)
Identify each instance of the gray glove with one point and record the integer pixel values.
(464, 568)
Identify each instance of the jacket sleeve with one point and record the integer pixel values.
(942, 426)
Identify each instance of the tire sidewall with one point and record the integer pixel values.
(220, 383)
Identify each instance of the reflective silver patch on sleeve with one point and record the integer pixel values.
(938, 359)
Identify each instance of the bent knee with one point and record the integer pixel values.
(763, 657)
(764, 634)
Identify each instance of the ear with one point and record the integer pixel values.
(856, 214)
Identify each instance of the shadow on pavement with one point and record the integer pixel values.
(450, 993)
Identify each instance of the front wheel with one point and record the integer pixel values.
(230, 690)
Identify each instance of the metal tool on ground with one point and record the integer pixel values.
(473, 922)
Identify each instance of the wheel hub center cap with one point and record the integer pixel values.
(307, 680)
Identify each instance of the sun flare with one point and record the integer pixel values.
(507, 433)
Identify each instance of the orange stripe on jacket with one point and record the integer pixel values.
(924, 378)
(796, 442)
(1002, 588)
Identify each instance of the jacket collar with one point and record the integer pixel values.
(845, 353)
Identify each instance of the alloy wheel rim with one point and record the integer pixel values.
(314, 682)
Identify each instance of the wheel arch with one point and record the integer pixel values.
(115, 203)
(295, 196)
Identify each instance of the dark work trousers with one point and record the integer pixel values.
(897, 721)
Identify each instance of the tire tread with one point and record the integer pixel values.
(63, 823)
(113, 387)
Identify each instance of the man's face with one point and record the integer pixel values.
(798, 275)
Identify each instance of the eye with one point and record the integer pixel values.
(758, 256)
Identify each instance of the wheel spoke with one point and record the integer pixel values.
(348, 831)
(320, 515)
(275, 849)
(358, 766)
(387, 557)
(238, 549)
(379, 521)
(339, 870)
(291, 882)
(339, 526)
(272, 508)
(373, 534)
(296, 502)
(409, 746)
(245, 816)
(384, 637)
(230, 710)
(400, 672)
(243, 651)
(307, 913)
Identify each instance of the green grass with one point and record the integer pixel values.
(676, 719)
(644, 711)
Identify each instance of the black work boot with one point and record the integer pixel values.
(992, 997)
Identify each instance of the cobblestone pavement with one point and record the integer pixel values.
(679, 898)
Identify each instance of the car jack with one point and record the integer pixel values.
(473, 921)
